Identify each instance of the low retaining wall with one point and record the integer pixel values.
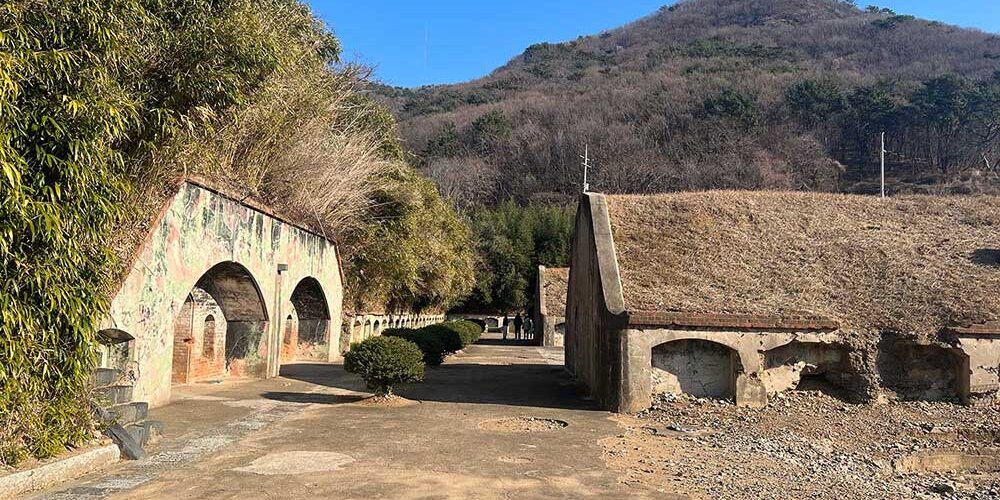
(52, 473)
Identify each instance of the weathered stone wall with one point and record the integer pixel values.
(595, 308)
(919, 372)
(198, 230)
(695, 367)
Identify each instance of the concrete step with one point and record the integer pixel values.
(114, 395)
(128, 413)
(145, 432)
(104, 377)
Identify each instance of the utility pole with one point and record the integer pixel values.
(882, 151)
(586, 167)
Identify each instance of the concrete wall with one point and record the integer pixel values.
(696, 367)
(595, 308)
(979, 370)
(651, 350)
(200, 229)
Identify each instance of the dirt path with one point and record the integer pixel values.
(494, 422)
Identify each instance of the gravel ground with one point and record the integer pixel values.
(806, 444)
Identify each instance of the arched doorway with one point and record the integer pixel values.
(312, 323)
(220, 328)
(699, 368)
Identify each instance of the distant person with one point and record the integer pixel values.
(506, 326)
(518, 324)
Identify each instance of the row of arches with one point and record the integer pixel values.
(222, 329)
(366, 326)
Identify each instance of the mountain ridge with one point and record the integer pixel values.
(666, 99)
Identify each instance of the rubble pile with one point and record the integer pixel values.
(806, 444)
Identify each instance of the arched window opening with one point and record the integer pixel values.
(209, 339)
(289, 333)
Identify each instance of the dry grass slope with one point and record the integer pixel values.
(909, 265)
(556, 285)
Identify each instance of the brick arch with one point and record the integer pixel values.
(228, 295)
(236, 290)
(312, 331)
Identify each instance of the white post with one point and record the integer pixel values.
(586, 166)
(883, 164)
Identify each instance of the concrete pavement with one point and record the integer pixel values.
(306, 435)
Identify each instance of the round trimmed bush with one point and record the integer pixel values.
(451, 339)
(384, 362)
(403, 333)
(470, 330)
(431, 345)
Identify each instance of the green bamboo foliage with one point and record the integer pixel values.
(62, 112)
(102, 102)
(89, 89)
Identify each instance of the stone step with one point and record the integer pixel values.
(128, 413)
(104, 377)
(114, 395)
(145, 432)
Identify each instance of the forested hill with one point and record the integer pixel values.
(788, 94)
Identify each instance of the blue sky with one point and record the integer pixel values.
(413, 42)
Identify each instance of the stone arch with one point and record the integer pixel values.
(230, 295)
(312, 313)
(700, 368)
(376, 328)
(367, 332)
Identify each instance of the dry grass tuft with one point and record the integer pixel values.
(907, 265)
(298, 146)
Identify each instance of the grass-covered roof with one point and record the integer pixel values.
(908, 264)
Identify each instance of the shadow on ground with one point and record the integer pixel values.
(311, 398)
(506, 342)
(486, 376)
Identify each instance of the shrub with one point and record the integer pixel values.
(432, 346)
(470, 331)
(453, 336)
(450, 338)
(384, 362)
(403, 333)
